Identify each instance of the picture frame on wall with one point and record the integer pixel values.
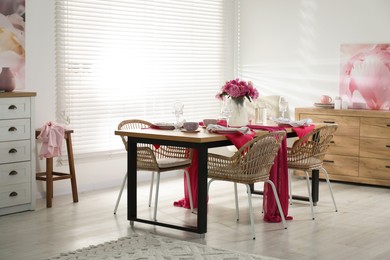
(12, 44)
(365, 76)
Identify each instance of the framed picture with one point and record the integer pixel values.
(12, 40)
(365, 76)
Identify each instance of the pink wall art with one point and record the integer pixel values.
(12, 44)
(365, 76)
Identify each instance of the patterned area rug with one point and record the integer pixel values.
(155, 247)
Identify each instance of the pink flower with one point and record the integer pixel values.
(238, 89)
(368, 73)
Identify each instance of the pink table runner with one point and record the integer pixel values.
(278, 175)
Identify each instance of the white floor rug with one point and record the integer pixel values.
(155, 247)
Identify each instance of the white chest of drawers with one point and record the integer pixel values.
(17, 152)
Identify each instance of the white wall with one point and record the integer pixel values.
(290, 47)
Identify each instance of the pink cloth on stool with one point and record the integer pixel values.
(52, 136)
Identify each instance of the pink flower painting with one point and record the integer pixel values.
(365, 75)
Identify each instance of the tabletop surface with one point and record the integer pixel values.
(203, 136)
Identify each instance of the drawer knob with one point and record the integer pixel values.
(13, 194)
(12, 129)
(12, 107)
(13, 173)
(13, 150)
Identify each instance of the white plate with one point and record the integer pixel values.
(330, 105)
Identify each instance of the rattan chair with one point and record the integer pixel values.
(307, 153)
(249, 165)
(157, 160)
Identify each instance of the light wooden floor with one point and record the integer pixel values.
(360, 230)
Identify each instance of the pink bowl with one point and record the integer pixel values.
(191, 126)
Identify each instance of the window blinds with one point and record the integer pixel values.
(121, 59)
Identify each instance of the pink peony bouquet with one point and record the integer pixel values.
(238, 89)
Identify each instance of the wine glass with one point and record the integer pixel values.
(226, 111)
(283, 105)
(178, 107)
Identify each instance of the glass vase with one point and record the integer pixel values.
(239, 113)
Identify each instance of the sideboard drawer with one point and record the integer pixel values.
(374, 168)
(14, 108)
(13, 173)
(14, 129)
(344, 145)
(375, 147)
(347, 125)
(12, 195)
(375, 127)
(341, 165)
(15, 151)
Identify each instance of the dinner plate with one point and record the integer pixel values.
(163, 126)
(329, 105)
(187, 131)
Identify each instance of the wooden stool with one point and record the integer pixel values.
(49, 176)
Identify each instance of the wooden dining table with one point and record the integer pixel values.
(201, 141)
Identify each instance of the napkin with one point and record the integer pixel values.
(286, 121)
(223, 129)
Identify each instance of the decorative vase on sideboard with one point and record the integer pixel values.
(239, 114)
(7, 80)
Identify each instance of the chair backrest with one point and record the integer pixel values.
(313, 145)
(132, 124)
(256, 157)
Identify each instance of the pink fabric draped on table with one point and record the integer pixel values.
(278, 174)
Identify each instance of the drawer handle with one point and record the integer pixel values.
(329, 122)
(329, 161)
(12, 129)
(13, 173)
(387, 166)
(387, 146)
(12, 107)
(13, 150)
(332, 142)
(13, 194)
(388, 125)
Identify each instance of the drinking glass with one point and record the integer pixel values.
(283, 105)
(178, 107)
(226, 111)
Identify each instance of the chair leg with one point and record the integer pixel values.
(309, 194)
(151, 189)
(156, 197)
(330, 187)
(278, 204)
(236, 199)
(250, 210)
(120, 193)
(189, 190)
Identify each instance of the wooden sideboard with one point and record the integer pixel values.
(17, 152)
(360, 150)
